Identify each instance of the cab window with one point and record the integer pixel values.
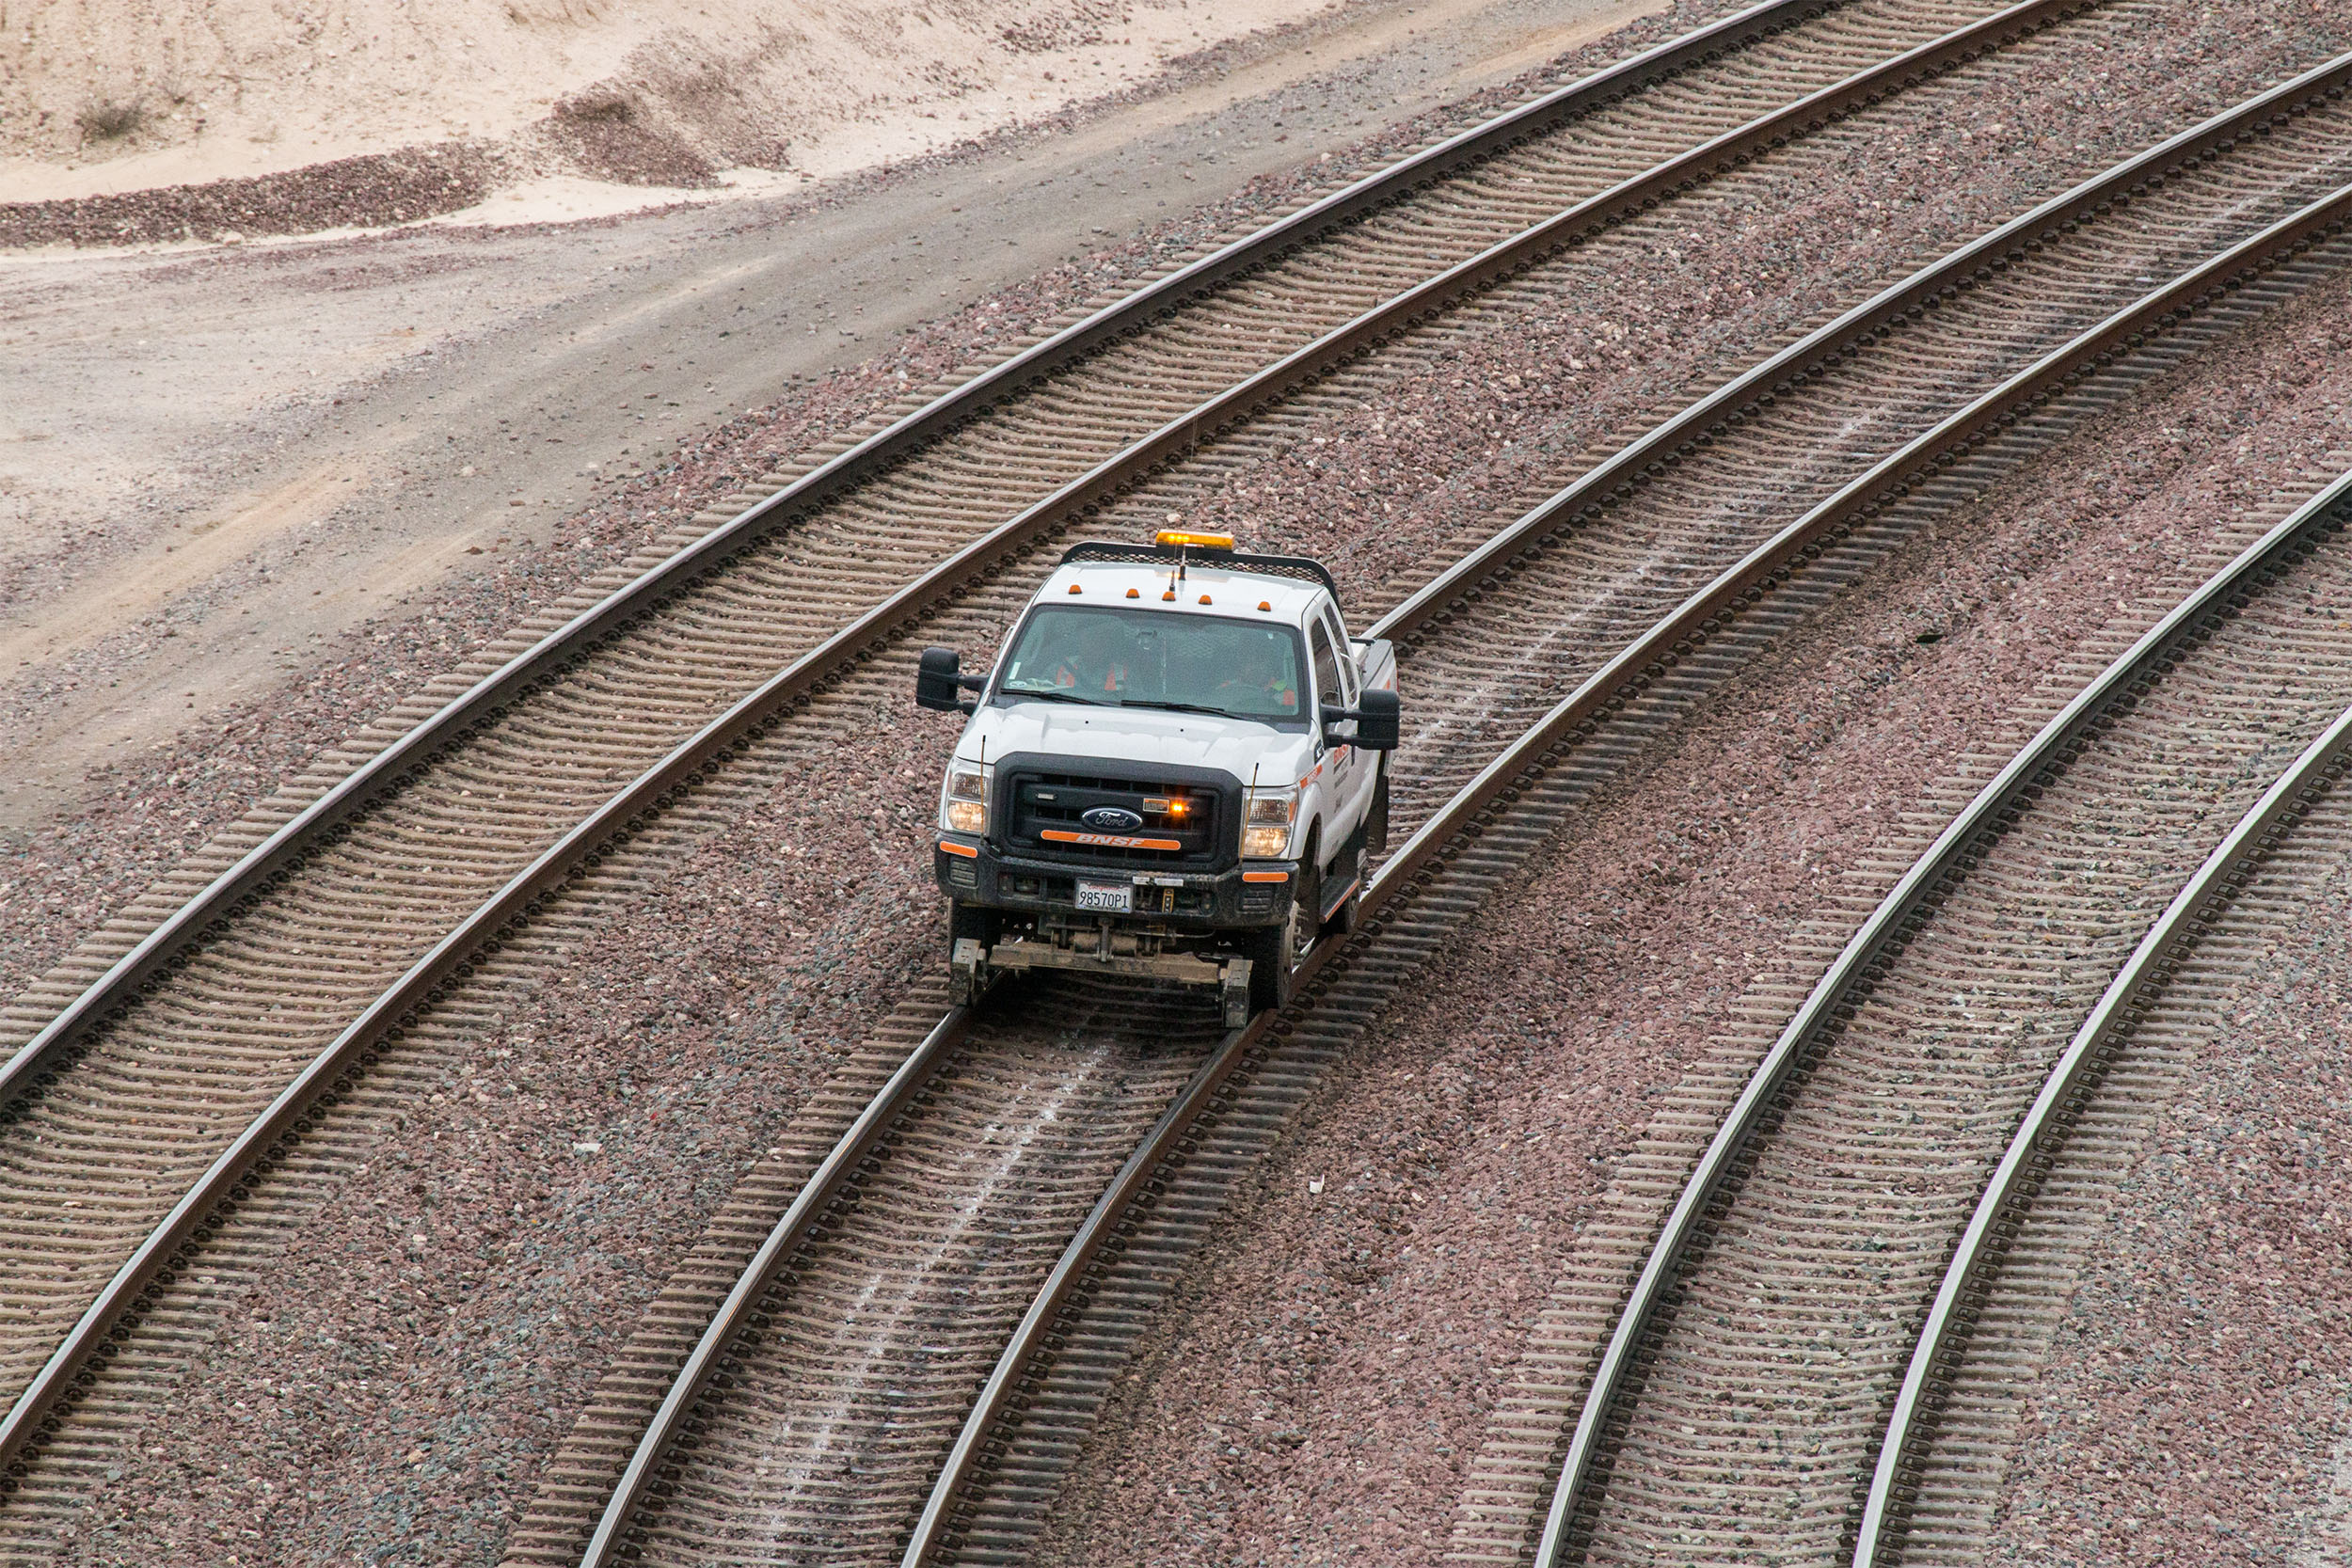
(1346, 695)
(1328, 688)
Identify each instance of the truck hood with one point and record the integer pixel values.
(1139, 735)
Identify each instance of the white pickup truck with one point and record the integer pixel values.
(1178, 769)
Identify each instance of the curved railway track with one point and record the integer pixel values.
(1740, 1399)
(720, 1466)
(1938, 1471)
(366, 921)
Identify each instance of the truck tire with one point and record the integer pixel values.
(1350, 864)
(1274, 952)
(983, 926)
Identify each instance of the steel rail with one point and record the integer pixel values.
(1615, 479)
(1070, 1270)
(112, 995)
(1999, 1210)
(424, 981)
(820, 667)
(1466, 813)
(1135, 1177)
(791, 1231)
(1885, 927)
(1713, 158)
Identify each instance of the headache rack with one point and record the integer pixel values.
(1297, 566)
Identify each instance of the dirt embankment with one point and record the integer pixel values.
(127, 120)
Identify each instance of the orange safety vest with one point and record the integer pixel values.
(1114, 678)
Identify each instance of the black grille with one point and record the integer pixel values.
(1048, 810)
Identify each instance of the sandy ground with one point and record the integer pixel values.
(216, 458)
(114, 95)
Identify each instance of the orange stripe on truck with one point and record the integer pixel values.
(1108, 841)
(964, 849)
(1265, 876)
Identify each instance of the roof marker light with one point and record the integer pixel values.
(1266, 604)
(1174, 538)
(1133, 594)
(1076, 589)
(1205, 598)
(1170, 594)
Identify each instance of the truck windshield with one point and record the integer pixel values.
(1145, 659)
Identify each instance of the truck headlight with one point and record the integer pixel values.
(963, 804)
(1265, 824)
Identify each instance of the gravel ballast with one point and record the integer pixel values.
(1321, 1396)
(407, 1391)
(370, 189)
(2197, 1401)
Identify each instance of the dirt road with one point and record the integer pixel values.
(214, 459)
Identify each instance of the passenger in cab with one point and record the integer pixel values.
(1093, 660)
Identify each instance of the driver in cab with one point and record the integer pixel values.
(1261, 681)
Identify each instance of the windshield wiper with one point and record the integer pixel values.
(1179, 708)
(1051, 694)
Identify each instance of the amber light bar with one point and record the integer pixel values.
(1172, 538)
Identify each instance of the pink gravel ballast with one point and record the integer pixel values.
(726, 1045)
(1327, 1379)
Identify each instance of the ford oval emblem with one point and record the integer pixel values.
(1112, 819)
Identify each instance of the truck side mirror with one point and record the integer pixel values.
(937, 684)
(1377, 727)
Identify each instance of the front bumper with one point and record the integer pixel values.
(1252, 894)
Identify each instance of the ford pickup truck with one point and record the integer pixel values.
(1178, 769)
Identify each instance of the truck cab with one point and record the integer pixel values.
(1178, 769)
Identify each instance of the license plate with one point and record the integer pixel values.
(1111, 897)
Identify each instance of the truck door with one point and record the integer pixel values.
(1335, 682)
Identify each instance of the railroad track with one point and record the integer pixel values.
(1941, 1461)
(714, 1473)
(251, 1029)
(1740, 1399)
